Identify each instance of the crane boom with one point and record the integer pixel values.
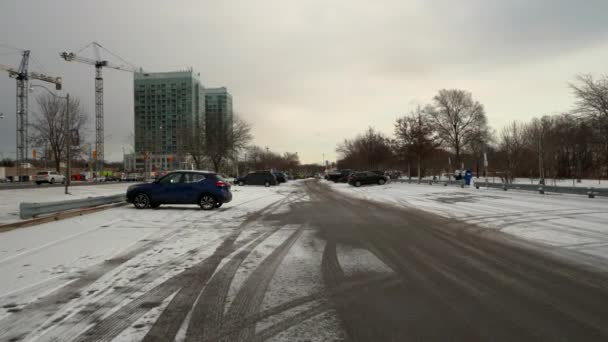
(72, 57)
(14, 73)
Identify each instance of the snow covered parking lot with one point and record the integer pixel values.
(300, 261)
(566, 221)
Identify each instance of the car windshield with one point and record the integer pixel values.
(267, 170)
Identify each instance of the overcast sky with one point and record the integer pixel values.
(310, 73)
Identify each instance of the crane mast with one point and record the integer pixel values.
(99, 137)
(22, 76)
(99, 64)
(22, 112)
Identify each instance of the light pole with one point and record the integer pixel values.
(67, 132)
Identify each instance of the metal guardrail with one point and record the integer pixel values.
(589, 191)
(29, 210)
(427, 181)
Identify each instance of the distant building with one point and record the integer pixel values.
(218, 111)
(165, 104)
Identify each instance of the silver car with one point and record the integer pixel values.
(50, 177)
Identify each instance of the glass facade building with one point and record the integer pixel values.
(165, 104)
(218, 114)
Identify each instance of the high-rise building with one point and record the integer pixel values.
(218, 114)
(166, 103)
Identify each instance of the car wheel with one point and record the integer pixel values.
(357, 184)
(241, 183)
(207, 202)
(267, 184)
(381, 181)
(52, 181)
(141, 201)
(38, 183)
(218, 204)
(63, 181)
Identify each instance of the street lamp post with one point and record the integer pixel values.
(67, 132)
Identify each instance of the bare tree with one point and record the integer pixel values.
(227, 141)
(415, 136)
(592, 104)
(49, 127)
(192, 143)
(513, 144)
(371, 150)
(458, 119)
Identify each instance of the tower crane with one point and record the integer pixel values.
(99, 64)
(22, 76)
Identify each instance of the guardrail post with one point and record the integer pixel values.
(504, 187)
(540, 190)
(590, 193)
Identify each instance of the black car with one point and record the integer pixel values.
(339, 176)
(366, 177)
(204, 188)
(265, 178)
(280, 176)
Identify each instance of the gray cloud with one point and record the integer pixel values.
(309, 73)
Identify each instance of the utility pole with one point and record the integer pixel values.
(68, 142)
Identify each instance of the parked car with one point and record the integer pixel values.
(131, 177)
(205, 188)
(112, 178)
(339, 176)
(50, 177)
(366, 177)
(280, 176)
(265, 178)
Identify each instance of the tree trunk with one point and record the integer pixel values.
(419, 170)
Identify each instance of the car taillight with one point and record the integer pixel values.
(220, 184)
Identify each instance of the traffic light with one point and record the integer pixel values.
(94, 154)
(34, 154)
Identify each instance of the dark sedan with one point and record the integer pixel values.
(280, 176)
(366, 177)
(265, 178)
(339, 176)
(206, 189)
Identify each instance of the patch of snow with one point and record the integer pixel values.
(358, 260)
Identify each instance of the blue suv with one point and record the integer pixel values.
(204, 188)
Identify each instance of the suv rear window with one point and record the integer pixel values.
(42, 173)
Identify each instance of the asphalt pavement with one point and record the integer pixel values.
(447, 281)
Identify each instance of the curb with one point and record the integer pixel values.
(56, 217)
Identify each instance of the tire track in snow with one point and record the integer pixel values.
(109, 327)
(20, 324)
(248, 299)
